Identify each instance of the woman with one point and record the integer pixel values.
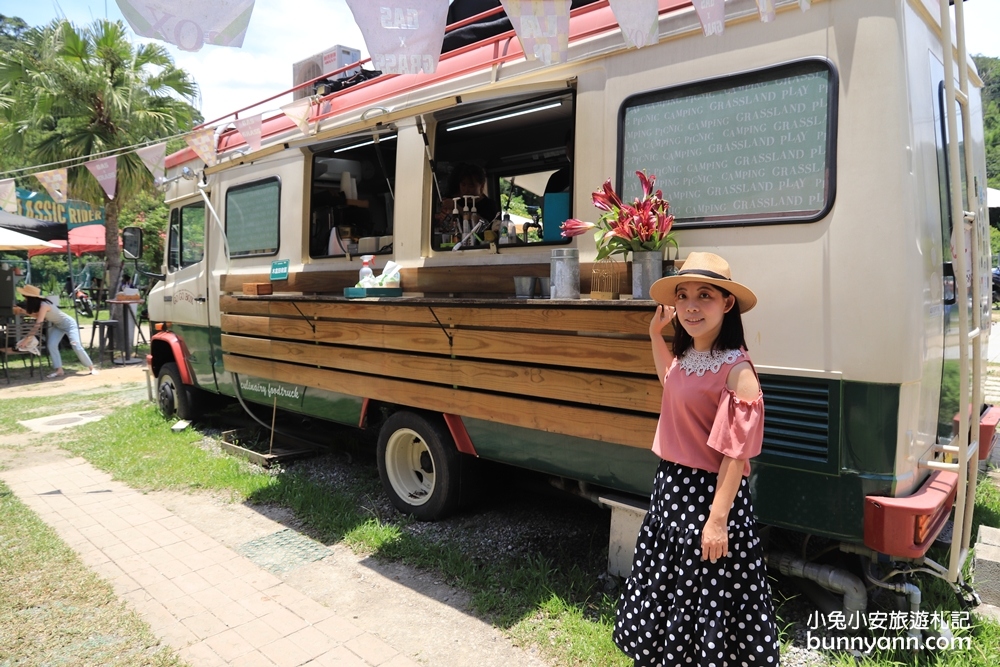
(698, 591)
(60, 324)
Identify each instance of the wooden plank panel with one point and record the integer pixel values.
(626, 356)
(605, 426)
(610, 391)
(540, 317)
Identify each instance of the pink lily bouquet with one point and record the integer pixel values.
(644, 225)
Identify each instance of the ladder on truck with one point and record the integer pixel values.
(962, 453)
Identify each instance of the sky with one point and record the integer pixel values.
(283, 32)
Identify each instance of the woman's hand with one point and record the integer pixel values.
(17, 310)
(714, 540)
(661, 318)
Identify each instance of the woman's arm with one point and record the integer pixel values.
(662, 356)
(39, 319)
(743, 382)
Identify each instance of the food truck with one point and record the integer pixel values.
(833, 156)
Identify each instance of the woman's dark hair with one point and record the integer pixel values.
(32, 304)
(730, 337)
(462, 171)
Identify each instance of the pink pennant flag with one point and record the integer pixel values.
(249, 129)
(402, 36)
(766, 9)
(189, 24)
(203, 143)
(8, 196)
(54, 182)
(299, 111)
(639, 21)
(154, 157)
(805, 4)
(712, 14)
(542, 26)
(105, 170)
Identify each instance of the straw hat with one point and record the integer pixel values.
(29, 290)
(703, 267)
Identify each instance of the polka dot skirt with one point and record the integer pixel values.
(678, 610)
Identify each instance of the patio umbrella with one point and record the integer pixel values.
(40, 229)
(11, 240)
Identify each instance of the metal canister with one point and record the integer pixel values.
(564, 274)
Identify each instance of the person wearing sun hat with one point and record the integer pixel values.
(698, 585)
(60, 324)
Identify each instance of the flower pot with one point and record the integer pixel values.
(647, 268)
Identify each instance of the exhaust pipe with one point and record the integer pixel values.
(831, 578)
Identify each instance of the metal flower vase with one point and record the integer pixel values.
(647, 268)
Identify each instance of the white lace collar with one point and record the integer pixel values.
(694, 361)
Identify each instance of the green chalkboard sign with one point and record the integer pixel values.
(752, 148)
(252, 218)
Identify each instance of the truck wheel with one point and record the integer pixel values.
(420, 468)
(172, 395)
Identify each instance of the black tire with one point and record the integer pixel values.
(421, 471)
(173, 397)
(83, 307)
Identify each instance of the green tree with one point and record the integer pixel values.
(68, 93)
(149, 212)
(11, 30)
(989, 71)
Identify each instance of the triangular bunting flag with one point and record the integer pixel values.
(105, 170)
(249, 129)
(766, 9)
(299, 112)
(189, 24)
(638, 20)
(404, 36)
(203, 143)
(712, 14)
(54, 182)
(805, 4)
(542, 26)
(154, 157)
(8, 196)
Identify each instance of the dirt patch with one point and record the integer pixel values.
(110, 377)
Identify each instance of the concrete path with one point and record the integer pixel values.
(204, 599)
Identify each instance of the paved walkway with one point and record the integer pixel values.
(213, 605)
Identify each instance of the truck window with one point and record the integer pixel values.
(511, 156)
(352, 203)
(252, 218)
(187, 236)
(753, 148)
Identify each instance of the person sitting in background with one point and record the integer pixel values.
(466, 180)
(60, 324)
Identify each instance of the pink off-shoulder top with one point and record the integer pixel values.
(701, 419)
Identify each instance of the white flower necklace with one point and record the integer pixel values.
(694, 361)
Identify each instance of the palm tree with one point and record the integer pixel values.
(71, 93)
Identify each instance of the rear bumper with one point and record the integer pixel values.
(987, 432)
(906, 527)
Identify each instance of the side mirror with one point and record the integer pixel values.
(132, 242)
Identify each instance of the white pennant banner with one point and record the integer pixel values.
(805, 4)
(105, 170)
(154, 157)
(542, 26)
(249, 129)
(766, 9)
(203, 143)
(8, 196)
(54, 182)
(712, 14)
(402, 36)
(189, 24)
(639, 21)
(299, 112)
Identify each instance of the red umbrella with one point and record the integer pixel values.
(82, 240)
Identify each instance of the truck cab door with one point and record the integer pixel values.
(185, 294)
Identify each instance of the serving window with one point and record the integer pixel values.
(504, 173)
(352, 202)
(752, 148)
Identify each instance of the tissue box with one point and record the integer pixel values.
(362, 292)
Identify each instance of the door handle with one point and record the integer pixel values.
(200, 299)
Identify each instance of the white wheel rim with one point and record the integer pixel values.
(406, 464)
